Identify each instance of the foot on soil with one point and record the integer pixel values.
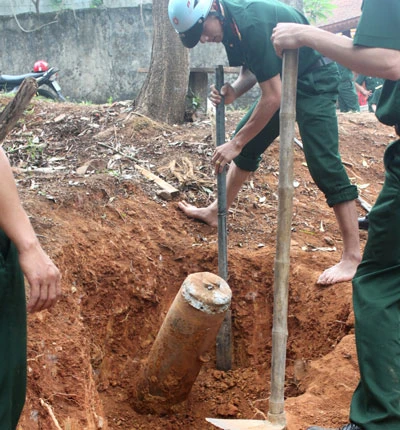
(202, 214)
(350, 426)
(341, 272)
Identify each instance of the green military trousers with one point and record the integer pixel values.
(316, 117)
(348, 98)
(376, 299)
(12, 336)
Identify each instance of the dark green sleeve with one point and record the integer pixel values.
(379, 24)
(379, 27)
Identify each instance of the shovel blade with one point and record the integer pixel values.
(244, 424)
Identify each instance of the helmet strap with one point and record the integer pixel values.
(217, 13)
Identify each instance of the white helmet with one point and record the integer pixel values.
(187, 17)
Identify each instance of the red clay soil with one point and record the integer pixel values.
(124, 252)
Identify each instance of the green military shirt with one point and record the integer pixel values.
(383, 32)
(248, 28)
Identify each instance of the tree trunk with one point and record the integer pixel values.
(163, 94)
(14, 110)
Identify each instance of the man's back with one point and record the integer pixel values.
(247, 36)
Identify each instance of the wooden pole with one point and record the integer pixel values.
(224, 338)
(13, 111)
(287, 117)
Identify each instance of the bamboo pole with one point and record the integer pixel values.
(287, 117)
(224, 338)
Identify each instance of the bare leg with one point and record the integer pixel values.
(346, 215)
(234, 181)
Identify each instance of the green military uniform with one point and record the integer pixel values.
(12, 336)
(348, 98)
(371, 84)
(248, 27)
(376, 95)
(376, 286)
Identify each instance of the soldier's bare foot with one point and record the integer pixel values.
(341, 272)
(206, 215)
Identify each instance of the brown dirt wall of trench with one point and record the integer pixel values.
(124, 252)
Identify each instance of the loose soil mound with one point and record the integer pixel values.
(124, 251)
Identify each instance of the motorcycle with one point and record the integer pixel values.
(45, 76)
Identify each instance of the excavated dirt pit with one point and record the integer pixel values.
(124, 252)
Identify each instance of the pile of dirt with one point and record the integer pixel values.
(124, 250)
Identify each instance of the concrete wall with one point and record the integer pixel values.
(11, 7)
(99, 51)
